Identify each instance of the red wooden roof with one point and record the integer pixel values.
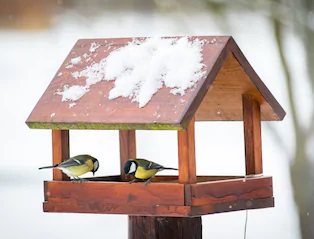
(216, 96)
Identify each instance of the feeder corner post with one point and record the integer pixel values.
(252, 135)
(60, 152)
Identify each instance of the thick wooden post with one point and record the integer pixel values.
(165, 227)
(127, 148)
(60, 152)
(186, 150)
(252, 135)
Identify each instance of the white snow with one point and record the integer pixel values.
(73, 93)
(94, 46)
(75, 60)
(75, 74)
(72, 105)
(140, 68)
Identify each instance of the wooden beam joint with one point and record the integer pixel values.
(186, 151)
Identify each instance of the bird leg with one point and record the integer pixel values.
(134, 180)
(78, 179)
(148, 181)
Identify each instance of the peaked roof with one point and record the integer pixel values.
(216, 96)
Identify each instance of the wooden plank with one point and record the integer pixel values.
(186, 151)
(60, 151)
(116, 193)
(231, 190)
(127, 140)
(158, 211)
(165, 227)
(252, 135)
(105, 208)
(257, 203)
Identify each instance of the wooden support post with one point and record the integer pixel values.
(127, 148)
(252, 135)
(142, 227)
(186, 150)
(60, 152)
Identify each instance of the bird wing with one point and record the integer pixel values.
(71, 162)
(149, 165)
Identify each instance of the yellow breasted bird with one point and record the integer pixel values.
(77, 166)
(143, 169)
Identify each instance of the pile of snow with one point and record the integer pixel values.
(140, 69)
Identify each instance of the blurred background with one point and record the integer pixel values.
(276, 36)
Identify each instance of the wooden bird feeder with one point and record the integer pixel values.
(229, 91)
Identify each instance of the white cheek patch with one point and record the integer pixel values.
(132, 168)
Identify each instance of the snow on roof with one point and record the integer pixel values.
(140, 69)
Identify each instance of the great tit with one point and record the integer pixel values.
(77, 166)
(143, 169)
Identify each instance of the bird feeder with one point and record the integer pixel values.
(229, 90)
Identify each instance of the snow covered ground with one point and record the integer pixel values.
(29, 61)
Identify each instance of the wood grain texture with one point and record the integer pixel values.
(116, 193)
(186, 151)
(159, 199)
(127, 140)
(252, 135)
(158, 211)
(165, 227)
(236, 205)
(106, 208)
(223, 61)
(231, 190)
(223, 100)
(60, 151)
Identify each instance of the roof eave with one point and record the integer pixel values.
(236, 51)
(104, 126)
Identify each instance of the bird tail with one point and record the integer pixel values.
(48, 167)
(170, 168)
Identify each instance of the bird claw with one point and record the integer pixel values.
(79, 180)
(132, 181)
(147, 181)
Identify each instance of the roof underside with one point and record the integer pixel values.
(217, 96)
